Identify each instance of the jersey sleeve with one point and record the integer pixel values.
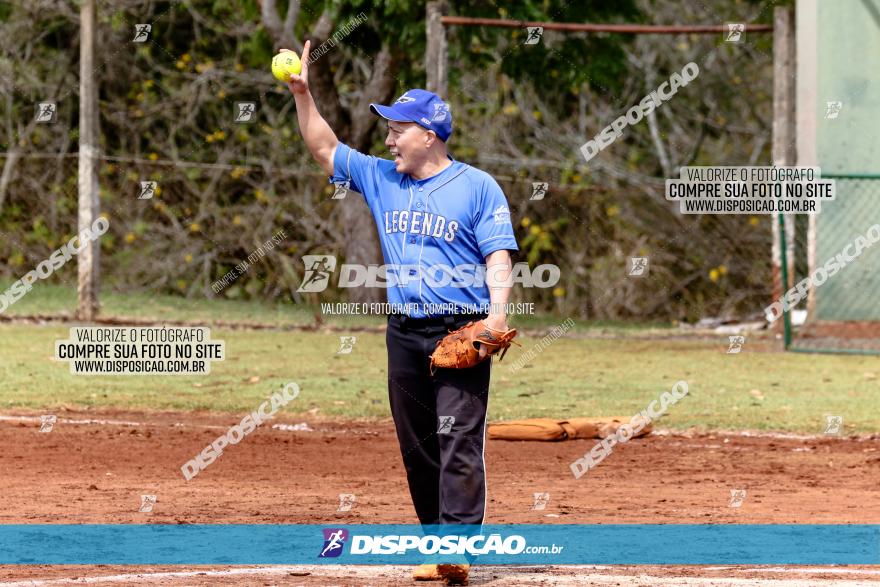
(354, 170)
(493, 227)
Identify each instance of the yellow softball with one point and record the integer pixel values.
(285, 64)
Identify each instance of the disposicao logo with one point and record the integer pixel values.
(334, 542)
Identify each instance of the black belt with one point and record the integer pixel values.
(449, 320)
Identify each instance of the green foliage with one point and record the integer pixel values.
(517, 114)
(256, 51)
(570, 60)
(540, 242)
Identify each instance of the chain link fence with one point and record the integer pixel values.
(842, 313)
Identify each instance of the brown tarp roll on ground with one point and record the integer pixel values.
(549, 429)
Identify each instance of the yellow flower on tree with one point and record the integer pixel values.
(188, 258)
(130, 237)
(194, 227)
(714, 274)
(525, 222)
(558, 292)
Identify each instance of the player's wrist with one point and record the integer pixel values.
(496, 321)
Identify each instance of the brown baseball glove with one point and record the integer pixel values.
(470, 345)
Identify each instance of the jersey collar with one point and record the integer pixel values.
(422, 182)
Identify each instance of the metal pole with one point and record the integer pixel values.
(602, 28)
(88, 259)
(784, 137)
(786, 314)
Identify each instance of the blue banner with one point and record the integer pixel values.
(555, 544)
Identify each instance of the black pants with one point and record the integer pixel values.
(440, 421)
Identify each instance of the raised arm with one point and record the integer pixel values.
(317, 134)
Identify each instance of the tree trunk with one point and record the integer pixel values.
(354, 128)
(361, 239)
(436, 55)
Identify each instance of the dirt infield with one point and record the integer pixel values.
(93, 468)
(851, 335)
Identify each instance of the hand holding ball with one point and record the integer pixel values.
(284, 64)
(293, 69)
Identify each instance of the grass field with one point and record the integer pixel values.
(59, 300)
(579, 375)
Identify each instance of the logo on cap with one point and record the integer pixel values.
(404, 99)
(441, 109)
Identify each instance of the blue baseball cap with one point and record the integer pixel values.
(424, 108)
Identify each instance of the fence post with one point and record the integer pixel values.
(784, 153)
(436, 55)
(807, 44)
(88, 259)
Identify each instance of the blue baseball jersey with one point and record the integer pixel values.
(428, 227)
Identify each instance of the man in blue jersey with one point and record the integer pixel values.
(430, 211)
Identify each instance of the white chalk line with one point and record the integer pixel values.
(69, 421)
(98, 422)
(835, 570)
(286, 427)
(274, 570)
(760, 434)
(358, 571)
